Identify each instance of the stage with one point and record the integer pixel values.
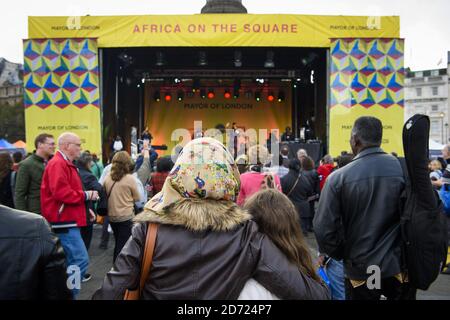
(102, 76)
(273, 88)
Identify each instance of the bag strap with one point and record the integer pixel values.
(110, 191)
(148, 254)
(295, 184)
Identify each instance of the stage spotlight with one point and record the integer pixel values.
(126, 59)
(227, 94)
(160, 60)
(270, 97)
(310, 59)
(211, 94)
(157, 96)
(123, 56)
(236, 88)
(202, 61)
(269, 60)
(167, 97)
(203, 93)
(176, 80)
(143, 80)
(257, 96)
(281, 96)
(195, 85)
(238, 59)
(236, 85)
(180, 95)
(260, 80)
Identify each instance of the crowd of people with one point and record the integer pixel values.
(226, 228)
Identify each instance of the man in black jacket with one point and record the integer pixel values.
(32, 258)
(358, 218)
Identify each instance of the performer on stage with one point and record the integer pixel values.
(233, 139)
(146, 135)
(309, 131)
(287, 135)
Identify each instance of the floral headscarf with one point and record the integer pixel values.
(205, 169)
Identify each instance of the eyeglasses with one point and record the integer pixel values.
(77, 144)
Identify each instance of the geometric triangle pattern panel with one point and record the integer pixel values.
(61, 72)
(367, 72)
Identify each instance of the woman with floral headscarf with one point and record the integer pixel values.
(206, 246)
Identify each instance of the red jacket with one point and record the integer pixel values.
(158, 179)
(62, 195)
(324, 171)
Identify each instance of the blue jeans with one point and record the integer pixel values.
(335, 272)
(76, 255)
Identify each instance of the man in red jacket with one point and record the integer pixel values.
(325, 169)
(63, 205)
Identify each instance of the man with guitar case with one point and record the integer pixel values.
(423, 223)
(382, 216)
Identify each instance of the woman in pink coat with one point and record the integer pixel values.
(255, 179)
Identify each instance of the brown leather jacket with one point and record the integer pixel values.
(205, 250)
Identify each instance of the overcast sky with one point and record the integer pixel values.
(424, 24)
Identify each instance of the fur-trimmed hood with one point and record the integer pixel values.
(198, 214)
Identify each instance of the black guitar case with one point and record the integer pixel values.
(423, 224)
(415, 146)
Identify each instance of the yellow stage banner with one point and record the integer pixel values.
(366, 79)
(61, 90)
(343, 118)
(214, 30)
(85, 123)
(255, 119)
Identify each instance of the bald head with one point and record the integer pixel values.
(284, 150)
(301, 153)
(70, 144)
(66, 137)
(446, 152)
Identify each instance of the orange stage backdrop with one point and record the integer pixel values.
(164, 117)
